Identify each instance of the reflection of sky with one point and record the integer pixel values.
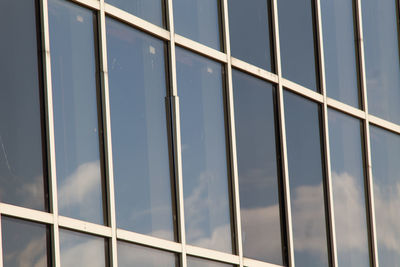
(75, 106)
(205, 177)
(385, 154)
(24, 243)
(139, 131)
(257, 167)
(197, 262)
(305, 174)
(21, 166)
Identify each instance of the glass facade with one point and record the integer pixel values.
(199, 133)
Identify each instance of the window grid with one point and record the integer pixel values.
(56, 221)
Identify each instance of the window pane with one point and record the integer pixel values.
(199, 21)
(25, 243)
(205, 175)
(249, 27)
(197, 262)
(151, 10)
(306, 181)
(385, 155)
(135, 255)
(296, 33)
(76, 123)
(258, 168)
(139, 131)
(79, 249)
(348, 190)
(381, 44)
(22, 179)
(340, 51)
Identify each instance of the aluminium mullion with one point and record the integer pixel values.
(49, 114)
(232, 136)
(367, 144)
(282, 132)
(325, 131)
(107, 134)
(176, 129)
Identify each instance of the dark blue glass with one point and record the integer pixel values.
(303, 136)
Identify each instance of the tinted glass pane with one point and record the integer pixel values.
(348, 190)
(22, 181)
(74, 76)
(79, 249)
(205, 177)
(296, 33)
(197, 262)
(257, 166)
(340, 50)
(249, 28)
(151, 10)
(381, 44)
(199, 21)
(134, 255)
(139, 131)
(24, 243)
(385, 155)
(306, 181)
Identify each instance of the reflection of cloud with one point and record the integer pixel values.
(33, 254)
(88, 253)
(80, 185)
(32, 192)
(135, 255)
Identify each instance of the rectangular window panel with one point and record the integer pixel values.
(258, 168)
(198, 262)
(250, 31)
(135, 255)
(204, 160)
(385, 155)
(78, 249)
(303, 136)
(25, 243)
(348, 186)
(75, 99)
(340, 50)
(297, 41)
(381, 46)
(142, 174)
(23, 181)
(150, 10)
(199, 21)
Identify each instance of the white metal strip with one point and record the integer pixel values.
(92, 4)
(25, 213)
(350, 110)
(301, 90)
(82, 226)
(255, 263)
(212, 254)
(254, 70)
(384, 124)
(136, 22)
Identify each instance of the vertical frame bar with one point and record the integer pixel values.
(232, 135)
(105, 96)
(367, 144)
(51, 152)
(282, 132)
(176, 129)
(325, 131)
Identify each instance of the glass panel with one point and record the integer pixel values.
(139, 131)
(296, 34)
(79, 249)
(24, 243)
(22, 179)
(258, 168)
(385, 155)
(347, 172)
(381, 44)
(199, 21)
(306, 181)
(250, 32)
(205, 175)
(197, 262)
(151, 10)
(340, 50)
(134, 255)
(76, 123)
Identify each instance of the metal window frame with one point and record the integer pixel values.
(111, 232)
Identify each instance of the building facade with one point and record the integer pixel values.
(200, 133)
